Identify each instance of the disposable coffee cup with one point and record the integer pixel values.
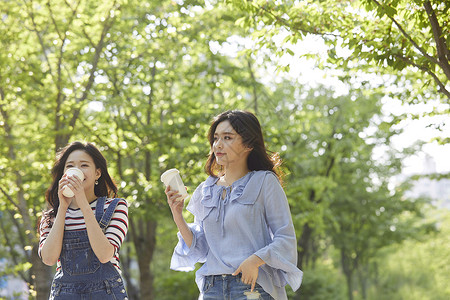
(70, 172)
(252, 295)
(172, 178)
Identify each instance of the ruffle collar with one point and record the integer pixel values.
(212, 193)
(244, 190)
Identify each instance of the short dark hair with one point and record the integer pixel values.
(248, 127)
(105, 186)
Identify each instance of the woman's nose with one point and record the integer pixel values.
(218, 143)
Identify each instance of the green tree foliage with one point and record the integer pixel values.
(142, 80)
(406, 39)
(48, 66)
(419, 267)
(337, 189)
(139, 79)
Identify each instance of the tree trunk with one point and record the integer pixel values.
(347, 270)
(348, 278)
(144, 239)
(132, 290)
(254, 83)
(362, 276)
(42, 275)
(302, 252)
(303, 245)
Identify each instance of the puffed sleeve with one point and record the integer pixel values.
(118, 226)
(184, 258)
(280, 255)
(44, 230)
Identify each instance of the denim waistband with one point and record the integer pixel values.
(224, 277)
(87, 287)
(75, 233)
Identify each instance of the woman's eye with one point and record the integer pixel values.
(69, 166)
(84, 165)
(227, 137)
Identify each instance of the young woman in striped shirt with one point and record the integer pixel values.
(83, 234)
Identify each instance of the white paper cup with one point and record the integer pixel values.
(252, 295)
(172, 178)
(70, 172)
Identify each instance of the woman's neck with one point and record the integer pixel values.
(233, 174)
(74, 204)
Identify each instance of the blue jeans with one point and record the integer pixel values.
(228, 287)
(82, 275)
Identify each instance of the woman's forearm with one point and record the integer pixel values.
(51, 250)
(102, 248)
(184, 229)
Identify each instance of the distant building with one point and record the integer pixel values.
(439, 191)
(12, 287)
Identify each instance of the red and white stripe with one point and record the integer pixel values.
(115, 232)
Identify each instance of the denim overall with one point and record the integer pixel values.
(82, 276)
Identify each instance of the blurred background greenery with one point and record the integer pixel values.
(142, 80)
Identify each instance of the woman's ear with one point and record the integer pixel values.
(98, 173)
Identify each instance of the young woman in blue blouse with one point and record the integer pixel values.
(242, 231)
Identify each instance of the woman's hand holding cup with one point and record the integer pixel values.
(64, 201)
(175, 201)
(75, 177)
(70, 185)
(175, 190)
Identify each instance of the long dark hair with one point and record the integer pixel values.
(105, 186)
(248, 127)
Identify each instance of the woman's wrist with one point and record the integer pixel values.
(257, 260)
(62, 208)
(179, 219)
(84, 205)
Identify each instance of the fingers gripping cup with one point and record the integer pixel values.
(172, 178)
(70, 172)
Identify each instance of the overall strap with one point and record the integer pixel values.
(108, 214)
(99, 208)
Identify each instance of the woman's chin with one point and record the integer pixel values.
(223, 163)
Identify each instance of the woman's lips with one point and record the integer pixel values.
(218, 154)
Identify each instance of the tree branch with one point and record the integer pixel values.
(254, 85)
(63, 38)
(10, 199)
(405, 34)
(285, 23)
(41, 42)
(83, 28)
(438, 38)
(53, 20)
(11, 247)
(108, 24)
(442, 87)
(20, 206)
(118, 92)
(5, 116)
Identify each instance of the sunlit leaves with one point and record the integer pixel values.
(383, 37)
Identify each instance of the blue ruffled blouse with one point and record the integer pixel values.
(252, 218)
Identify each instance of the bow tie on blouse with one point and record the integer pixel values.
(213, 194)
(222, 202)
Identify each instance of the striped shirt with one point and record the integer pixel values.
(115, 232)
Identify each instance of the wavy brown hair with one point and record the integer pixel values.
(105, 187)
(248, 127)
